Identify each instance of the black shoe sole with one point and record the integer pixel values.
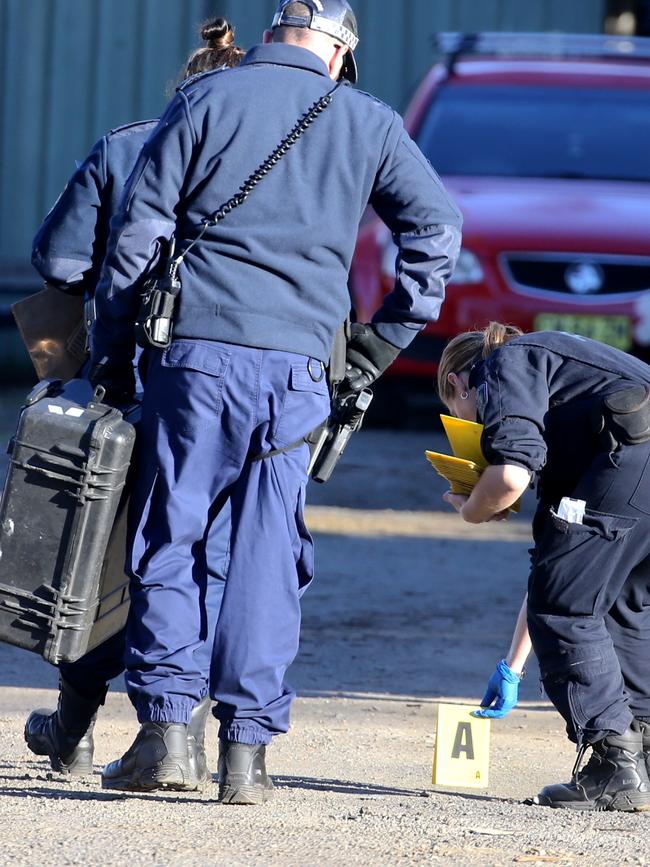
(251, 796)
(151, 779)
(622, 802)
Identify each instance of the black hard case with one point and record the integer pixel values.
(63, 590)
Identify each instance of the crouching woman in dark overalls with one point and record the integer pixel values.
(574, 415)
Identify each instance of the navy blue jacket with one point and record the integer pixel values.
(274, 273)
(70, 245)
(536, 396)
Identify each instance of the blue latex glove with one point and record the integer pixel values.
(502, 686)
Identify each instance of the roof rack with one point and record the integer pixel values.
(456, 45)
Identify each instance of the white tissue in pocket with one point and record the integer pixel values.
(572, 511)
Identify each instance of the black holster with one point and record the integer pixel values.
(153, 326)
(328, 442)
(624, 417)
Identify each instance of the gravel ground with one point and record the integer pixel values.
(410, 607)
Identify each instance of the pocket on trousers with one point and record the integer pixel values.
(192, 394)
(574, 563)
(592, 698)
(201, 357)
(305, 404)
(600, 524)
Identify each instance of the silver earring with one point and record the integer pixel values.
(464, 395)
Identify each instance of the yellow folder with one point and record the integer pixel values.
(463, 470)
(462, 475)
(464, 438)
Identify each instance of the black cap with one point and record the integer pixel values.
(334, 17)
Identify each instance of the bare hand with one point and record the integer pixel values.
(457, 501)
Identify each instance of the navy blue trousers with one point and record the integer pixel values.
(589, 598)
(90, 674)
(208, 408)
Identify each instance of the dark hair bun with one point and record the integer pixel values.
(218, 33)
(218, 51)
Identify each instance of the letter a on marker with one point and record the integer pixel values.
(462, 753)
(463, 742)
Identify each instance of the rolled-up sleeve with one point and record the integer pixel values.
(147, 214)
(513, 399)
(426, 227)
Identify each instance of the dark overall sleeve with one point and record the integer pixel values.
(512, 400)
(425, 223)
(146, 214)
(64, 252)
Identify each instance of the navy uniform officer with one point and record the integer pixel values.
(68, 252)
(263, 293)
(574, 413)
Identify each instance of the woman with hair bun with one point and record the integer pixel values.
(573, 415)
(68, 252)
(219, 49)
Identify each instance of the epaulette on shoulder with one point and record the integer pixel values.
(136, 126)
(199, 76)
(372, 98)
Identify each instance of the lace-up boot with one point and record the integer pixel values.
(614, 778)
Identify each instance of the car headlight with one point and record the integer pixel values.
(468, 269)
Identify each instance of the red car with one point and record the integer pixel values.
(544, 143)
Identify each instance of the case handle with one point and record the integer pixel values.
(44, 388)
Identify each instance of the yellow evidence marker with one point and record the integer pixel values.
(462, 752)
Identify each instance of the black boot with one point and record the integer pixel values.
(66, 734)
(644, 725)
(157, 759)
(614, 778)
(196, 742)
(242, 774)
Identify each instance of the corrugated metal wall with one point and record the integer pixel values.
(72, 69)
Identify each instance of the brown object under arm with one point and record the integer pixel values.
(51, 325)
